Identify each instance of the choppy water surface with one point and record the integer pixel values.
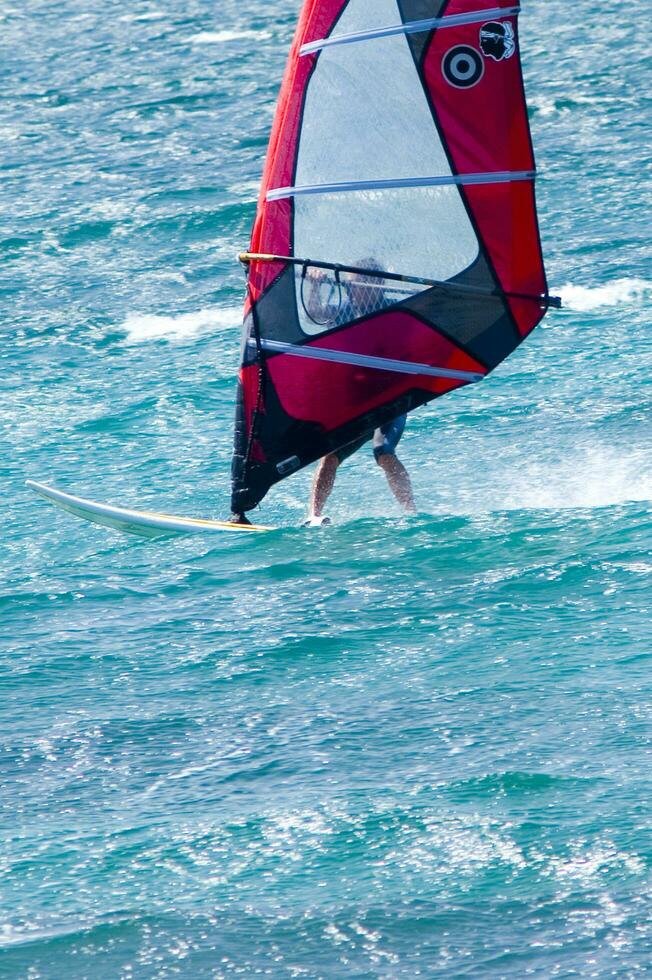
(387, 749)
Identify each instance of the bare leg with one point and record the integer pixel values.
(399, 481)
(323, 483)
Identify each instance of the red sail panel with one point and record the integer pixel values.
(332, 394)
(486, 129)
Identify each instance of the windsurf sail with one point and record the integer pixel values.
(395, 254)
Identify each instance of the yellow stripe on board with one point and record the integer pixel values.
(200, 522)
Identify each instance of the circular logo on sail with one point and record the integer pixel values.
(497, 40)
(462, 66)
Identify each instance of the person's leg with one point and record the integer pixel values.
(324, 480)
(398, 479)
(323, 483)
(386, 439)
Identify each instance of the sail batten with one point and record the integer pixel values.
(277, 193)
(411, 27)
(364, 360)
(395, 255)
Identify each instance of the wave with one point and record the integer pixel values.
(147, 15)
(223, 37)
(143, 327)
(514, 783)
(620, 292)
(547, 105)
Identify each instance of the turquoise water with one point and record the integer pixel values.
(387, 749)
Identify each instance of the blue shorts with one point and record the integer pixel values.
(385, 440)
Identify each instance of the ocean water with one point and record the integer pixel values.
(390, 748)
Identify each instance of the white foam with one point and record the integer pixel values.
(10, 133)
(223, 37)
(568, 477)
(148, 15)
(546, 105)
(598, 477)
(620, 292)
(143, 327)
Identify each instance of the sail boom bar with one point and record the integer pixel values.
(364, 360)
(543, 299)
(412, 27)
(504, 177)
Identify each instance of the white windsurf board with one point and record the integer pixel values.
(147, 524)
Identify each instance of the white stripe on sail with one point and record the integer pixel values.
(412, 27)
(504, 177)
(363, 360)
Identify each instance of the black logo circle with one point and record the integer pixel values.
(462, 66)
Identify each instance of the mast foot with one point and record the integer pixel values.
(239, 519)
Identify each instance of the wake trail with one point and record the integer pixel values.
(620, 292)
(140, 328)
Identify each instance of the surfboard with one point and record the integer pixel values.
(147, 524)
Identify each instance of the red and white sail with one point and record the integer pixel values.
(395, 254)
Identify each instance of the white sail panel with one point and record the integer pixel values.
(414, 229)
(366, 118)
(359, 17)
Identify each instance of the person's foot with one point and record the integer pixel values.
(239, 519)
(314, 521)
